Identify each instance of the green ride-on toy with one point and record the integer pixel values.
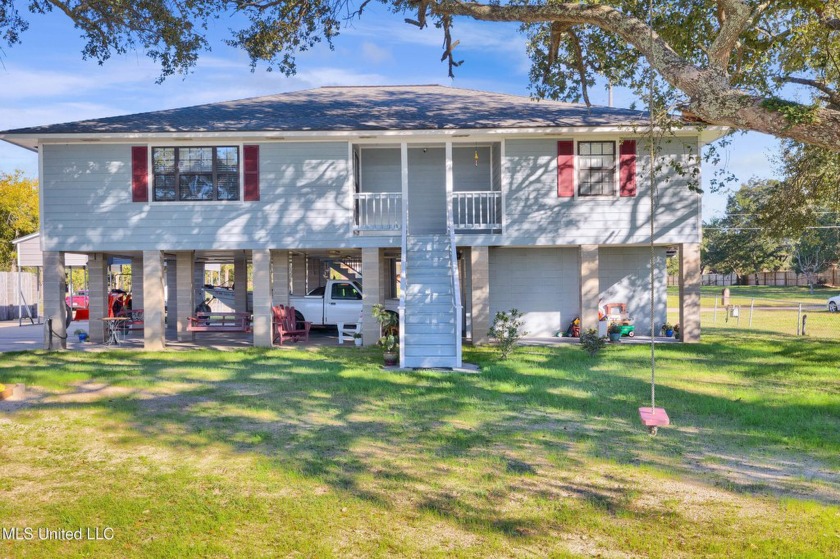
(617, 312)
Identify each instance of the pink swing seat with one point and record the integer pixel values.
(654, 417)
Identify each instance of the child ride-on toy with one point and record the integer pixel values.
(617, 312)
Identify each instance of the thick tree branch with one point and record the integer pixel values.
(734, 17)
(711, 96)
(831, 23)
(581, 68)
(832, 95)
(670, 64)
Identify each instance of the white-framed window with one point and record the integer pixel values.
(205, 173)
(597, 168)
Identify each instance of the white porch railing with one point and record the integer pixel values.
(377, 211)
(477, 210)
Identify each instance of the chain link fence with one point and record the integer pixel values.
(772, 315)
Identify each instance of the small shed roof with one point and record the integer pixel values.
(29, 253)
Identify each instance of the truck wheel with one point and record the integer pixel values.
(299, 320)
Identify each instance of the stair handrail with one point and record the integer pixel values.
(349, 263)
(456, 284)
(402, 281)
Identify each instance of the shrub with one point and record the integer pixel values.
(506, 330)
(591, 342)
(614, 328)
(389, 324)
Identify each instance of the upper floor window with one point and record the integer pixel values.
(195, 173)
(596, 168)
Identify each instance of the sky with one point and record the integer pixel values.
(44, 80)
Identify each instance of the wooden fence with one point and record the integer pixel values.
(9, 309)
(779, 279)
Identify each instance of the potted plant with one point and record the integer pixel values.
(83, 336)
(668, 329)
(614, 332)
(357, 339)
(389, 326)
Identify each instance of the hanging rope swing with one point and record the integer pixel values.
(652, 417)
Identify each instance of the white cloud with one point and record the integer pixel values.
(375, 54)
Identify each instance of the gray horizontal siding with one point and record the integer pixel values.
(381, 170)
(542, 283)
(624, 277)
(426, 191)
(536, 215)
(468, 176)
(87, 203)
(305, 201)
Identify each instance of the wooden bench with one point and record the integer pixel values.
(285, 325)
(219, 322)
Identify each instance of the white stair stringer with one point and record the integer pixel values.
(430, 320)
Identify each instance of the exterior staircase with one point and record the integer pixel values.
(348, 268)
(431, 316)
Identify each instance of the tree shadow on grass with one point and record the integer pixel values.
(394, 439)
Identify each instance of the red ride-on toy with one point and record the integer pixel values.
(617, 312)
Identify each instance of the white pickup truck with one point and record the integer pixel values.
(338, 301)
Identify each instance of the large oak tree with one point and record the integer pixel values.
(730, 62)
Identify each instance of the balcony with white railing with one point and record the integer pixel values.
(377, 211)
(477, 211)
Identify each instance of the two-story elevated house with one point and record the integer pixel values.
(459, 203)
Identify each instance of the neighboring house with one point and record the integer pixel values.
(543, 206)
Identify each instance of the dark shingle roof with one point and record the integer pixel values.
(410, 107)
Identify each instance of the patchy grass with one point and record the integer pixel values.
(322, 454)
(762, 294)
(765, 310)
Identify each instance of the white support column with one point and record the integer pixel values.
(450, 182)
(136, 283)
(154, 337)
(240, 282)
(371, 262)
(184, 294)
(405, 280)
(480, 280)
(55, 287)
(590, 287)
(97, 295)
(280, 277)
(690, 279)
(261, 260)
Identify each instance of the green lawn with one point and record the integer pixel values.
(319, 453)
(765, 310)
(762, 294)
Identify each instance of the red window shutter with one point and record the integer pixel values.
(252, 173)
(627, 167)
(565, 168)
(139, 173)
